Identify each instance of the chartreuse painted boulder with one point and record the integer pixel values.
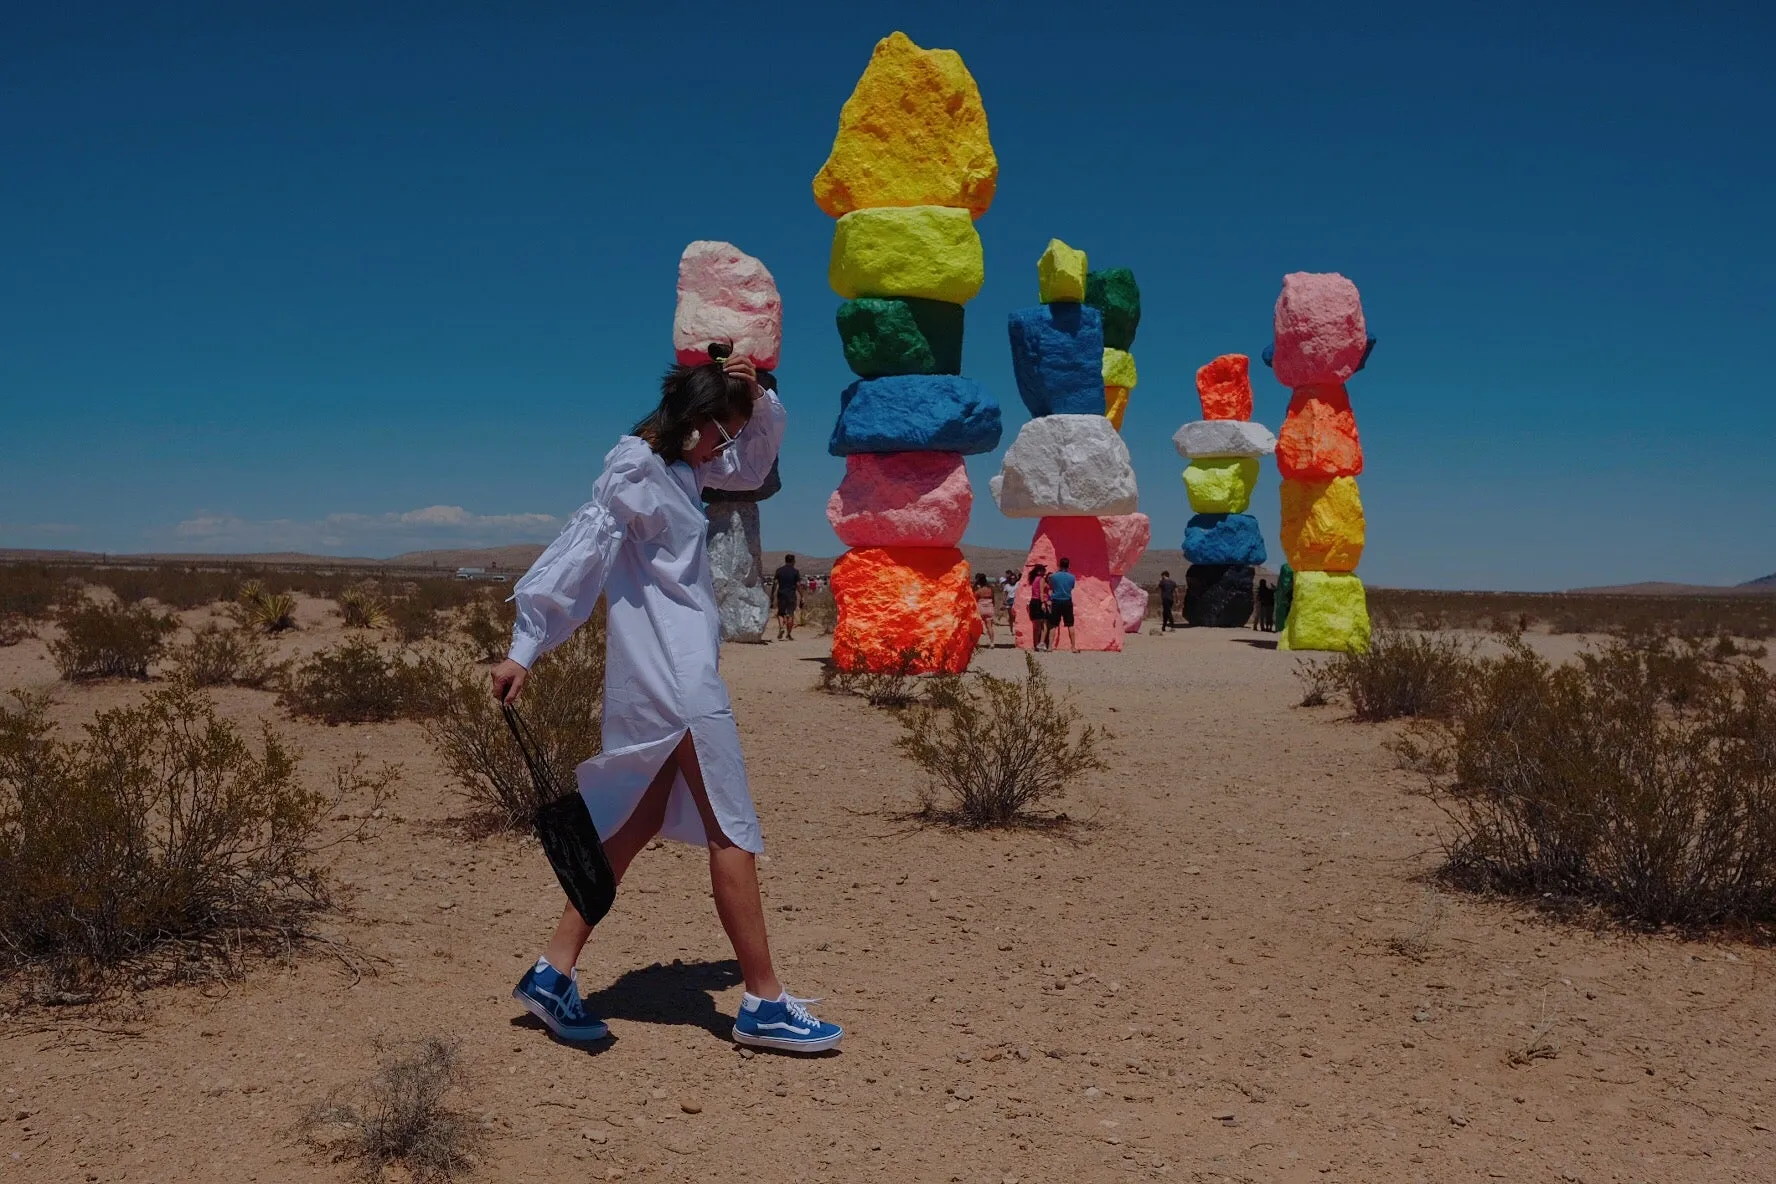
(1222, 484)
(915, 413)
(1060, 274)
(1114, 293)
(1327, 611)
(1119, 368)
(927, 251)
(899, 335)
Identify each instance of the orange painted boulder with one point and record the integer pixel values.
(1319, 438)
(1097, 616)
(1116, 401)
(904, 608)
(1225, 386)
(1323, 528)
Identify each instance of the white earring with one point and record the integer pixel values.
(690, 440)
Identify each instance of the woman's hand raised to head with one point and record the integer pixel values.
(508, 680)
(740, 366)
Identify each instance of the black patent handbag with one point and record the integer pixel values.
(564, 827)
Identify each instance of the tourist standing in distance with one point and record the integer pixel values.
(1038, 607)
(789, 597)
(671, 763)
(987, 607)
(1008, 585)
(1267, 601)
(1060, 602)
(1168, 596)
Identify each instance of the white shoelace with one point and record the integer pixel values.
(798, 1009)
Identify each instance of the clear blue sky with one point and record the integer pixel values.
(279, 275)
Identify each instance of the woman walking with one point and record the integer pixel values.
(987, 607)
(671, 763)
(1038, 607)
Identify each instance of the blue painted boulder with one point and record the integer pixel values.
(1057, 354)
(916, 413)
(1224, 539)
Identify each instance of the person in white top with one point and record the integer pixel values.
(671, 763)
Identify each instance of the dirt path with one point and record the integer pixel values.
(1235, 974)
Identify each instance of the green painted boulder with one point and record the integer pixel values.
(884, 336)
(1284, 595)
(1113, 292)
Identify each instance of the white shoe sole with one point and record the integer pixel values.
(782, 1044)
(583, 1036)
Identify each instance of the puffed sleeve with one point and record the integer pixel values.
(748, 462)
(562, 587)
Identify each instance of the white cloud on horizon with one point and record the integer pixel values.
(377, 535)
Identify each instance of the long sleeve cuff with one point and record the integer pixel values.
(525, 650)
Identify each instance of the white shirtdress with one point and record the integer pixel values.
(641, 542)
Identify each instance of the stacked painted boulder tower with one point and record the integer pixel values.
(1222, 542)
(1068, 467)
(725, 295)
(1320, 341)
(911, 168)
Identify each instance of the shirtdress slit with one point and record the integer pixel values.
(641, 542)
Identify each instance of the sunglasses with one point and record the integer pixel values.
(727, 441)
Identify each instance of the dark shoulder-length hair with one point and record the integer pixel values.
(691, 396)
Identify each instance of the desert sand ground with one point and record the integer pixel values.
(1206, 983)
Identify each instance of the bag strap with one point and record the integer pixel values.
(540, 773)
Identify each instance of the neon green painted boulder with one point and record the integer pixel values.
(1328, 611)
(1222, 484)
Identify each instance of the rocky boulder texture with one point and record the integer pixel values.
(737, 570)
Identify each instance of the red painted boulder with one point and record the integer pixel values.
(1225, 386)
(1320, 335)
(904, 608)
(1097, 617)
(901, 499)
(1319, 438)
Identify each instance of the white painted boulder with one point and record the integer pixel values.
(1208, 439)
(737, 570)
(1066, 466)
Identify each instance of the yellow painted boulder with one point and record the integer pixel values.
(1119, 368)
(930, 252)
(1060, 274)
(1329, 611)
(913, 133)
(1222, 484)
(1116, 401)
(1322, 524)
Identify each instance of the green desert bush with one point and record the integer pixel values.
(415, 619)
(1000, 749)
(109, 640)
(257, 607)
(563, 705)
(1402, 674)
(162, 840)
(362, 606)
(176, 587)
(222, 655)
(33, 591)
(355, 682)
(486, 627)
(1586, 784)
(401, 1116)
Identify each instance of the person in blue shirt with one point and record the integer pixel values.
(1060, 600)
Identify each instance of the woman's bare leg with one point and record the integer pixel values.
(733, 878)
(621, 848)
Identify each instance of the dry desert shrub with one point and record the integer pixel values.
(820, 611)
(563, 707)
(401, 1115)
(172, 586)
(1749, 614)
(163, 841)
(1317, 682)
(362, 607)
(109, 640)
(355, 682)
(14, 629)
(223, 655)
(999, 749)
(898, 686)
(486, 627)
(414, 619)
(1403, 675)
(1593, 784)
(31, 592)
(257, 607)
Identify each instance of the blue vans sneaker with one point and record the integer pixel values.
(784, 1024)
(554, 998)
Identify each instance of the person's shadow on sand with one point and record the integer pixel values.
(676, 993)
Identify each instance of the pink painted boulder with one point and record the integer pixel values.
(1097, 617)
(1320, 335)
(724, 294)
(1131, 598)
(901, 499)
(1125, 538)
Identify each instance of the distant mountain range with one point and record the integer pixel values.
(1768, 581)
